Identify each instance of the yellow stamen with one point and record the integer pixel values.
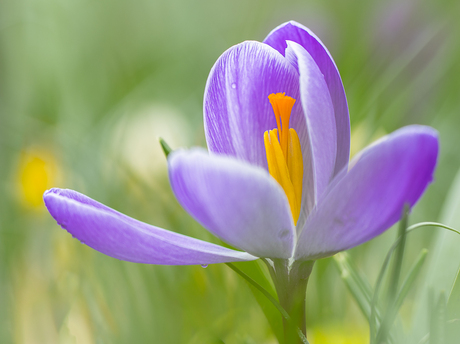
(284, 154)
(295, 167)
(282, 107)
(271, 158)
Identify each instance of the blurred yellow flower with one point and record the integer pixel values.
(37, 172)
(338, 334)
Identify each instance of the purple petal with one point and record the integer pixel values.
(321, 126)
(363, 202)
(236, 107)
(293, 31)
(240, 203)
(125, 238)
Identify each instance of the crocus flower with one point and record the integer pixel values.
(277, 182)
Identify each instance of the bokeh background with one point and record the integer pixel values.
(86, 89)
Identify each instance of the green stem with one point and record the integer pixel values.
(291, 287)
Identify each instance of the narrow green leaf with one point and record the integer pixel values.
(166, 149)
(453, 311)
(377, 335)
(355, 291)
(373, 316)
(444, 250)
(410, 279)
(396, 303)
(390, 312)
(373, 320)
(438, 319)
(270, 310)
(356, 284)
(260, 288)
(269, 297)
(431, 224)
(399, 255)
(343, 261)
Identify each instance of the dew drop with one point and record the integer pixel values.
(204, 266)
(233, 85)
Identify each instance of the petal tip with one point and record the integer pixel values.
(50, 191)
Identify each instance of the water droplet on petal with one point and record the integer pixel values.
(204, 266)
(233, 85)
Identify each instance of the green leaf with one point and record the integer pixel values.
(442, 263)
(391, 310)
(398, 258)
(265, 298)
(438, 319)
(410, 279)
(166, 149)
(263, 292)
(453, 311)
(356, 283)
(373, 320)
(396, 304)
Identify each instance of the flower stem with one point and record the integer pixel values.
(291, 286)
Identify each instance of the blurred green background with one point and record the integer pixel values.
(86, 88)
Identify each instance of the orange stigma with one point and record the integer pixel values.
(284, 154)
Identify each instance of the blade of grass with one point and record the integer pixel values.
(375, 335)
(256, 269)
(399, 255)
(263, 294)
(390, 312)
(396, 303)
(438, 319)
(358, 286)
(453, 310)
(343, 261)
(410, 279)
(354, 289)
(385, 265)
(268, 296)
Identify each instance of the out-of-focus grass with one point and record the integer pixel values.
(81, 85)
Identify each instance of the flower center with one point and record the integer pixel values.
(284, 154)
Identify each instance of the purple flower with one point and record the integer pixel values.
(277, 182)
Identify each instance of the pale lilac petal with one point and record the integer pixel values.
(236, 107)
(368, 199)
(240, 203)
(317, 105)
(293, 31)
(125, 238)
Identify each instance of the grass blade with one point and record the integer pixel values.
(410, 279)
(268, 296)
(358, 286)
(438, 319)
